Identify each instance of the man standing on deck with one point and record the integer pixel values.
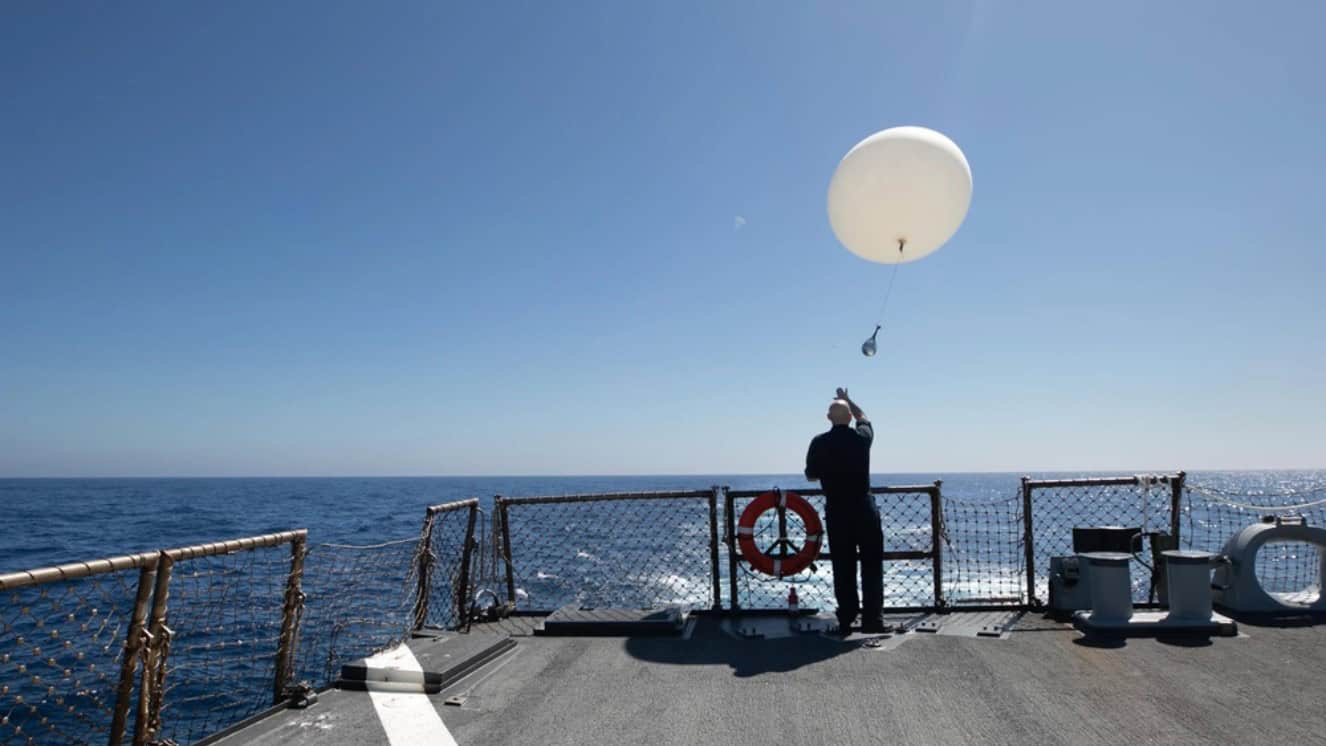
(840, 460)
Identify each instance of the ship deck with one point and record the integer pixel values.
(1041, 683)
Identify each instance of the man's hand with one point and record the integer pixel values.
(841, 394)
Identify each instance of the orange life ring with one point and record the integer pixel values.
(777, 566)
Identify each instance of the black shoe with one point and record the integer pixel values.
(877, 628)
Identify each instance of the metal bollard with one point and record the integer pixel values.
(1111, 586)
(1188, 575)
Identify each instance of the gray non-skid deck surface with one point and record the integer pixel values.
(1038, 686)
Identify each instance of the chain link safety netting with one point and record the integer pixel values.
(906, 521)
(1211, 513)
(639, 550)
(447, 531)
(983, 559)
(358, 600)
(223, 627)
(61, 650)
(1058, 506)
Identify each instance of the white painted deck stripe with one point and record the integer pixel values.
(407, 718)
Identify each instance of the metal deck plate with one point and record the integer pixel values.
(573, 621)
(995, 625)
(444, 660)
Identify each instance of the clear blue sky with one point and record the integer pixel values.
(489, 238)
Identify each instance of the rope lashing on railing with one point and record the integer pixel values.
(444, 563)
(157, 700)
(487, 580)
(942, 528)
(293, 604)
(423, 562)
(1226, 498)
(1145, 484)
(1308, 489)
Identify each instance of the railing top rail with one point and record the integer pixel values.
(69, 571)
(454, 505)
(1089, 481)
(237, 545)
(74, 570)
(905, 489)
(606, 496)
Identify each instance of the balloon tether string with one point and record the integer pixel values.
(889, 291)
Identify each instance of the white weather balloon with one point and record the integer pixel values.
(904, 186)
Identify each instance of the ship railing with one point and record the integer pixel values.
(362, 599)
(1052, 508)
(177, 644)
(656, 549)
(92, 650)
(911, 517)
(447, 551)
(622, 549)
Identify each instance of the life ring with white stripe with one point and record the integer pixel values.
(779, 566)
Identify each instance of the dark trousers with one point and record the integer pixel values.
(854, 529)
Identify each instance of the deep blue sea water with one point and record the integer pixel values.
(49, 521)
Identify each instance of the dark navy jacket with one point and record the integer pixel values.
(840, 460)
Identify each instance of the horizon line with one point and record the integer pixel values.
(599, 475)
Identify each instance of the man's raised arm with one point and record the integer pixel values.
(856, 411)
(863, 426)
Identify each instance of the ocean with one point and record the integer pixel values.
(51, 521)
